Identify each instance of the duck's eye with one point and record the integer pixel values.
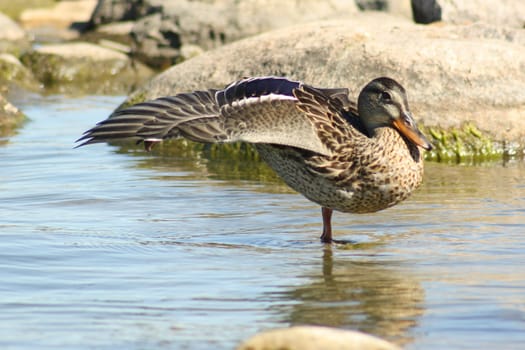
(385, 96)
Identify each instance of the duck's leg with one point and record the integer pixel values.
(326, 213)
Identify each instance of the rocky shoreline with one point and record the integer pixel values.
(464, 73)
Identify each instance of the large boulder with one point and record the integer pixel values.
(456, 77)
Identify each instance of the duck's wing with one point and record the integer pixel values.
(155, 120)
(333, 115)
(254, 110)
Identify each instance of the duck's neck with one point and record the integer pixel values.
(391, 142)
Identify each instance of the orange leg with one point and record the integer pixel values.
(326, 213)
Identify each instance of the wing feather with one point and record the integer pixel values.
(256, 110)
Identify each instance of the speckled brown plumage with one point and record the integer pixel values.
(348, 157)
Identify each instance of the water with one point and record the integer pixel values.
(108, 248)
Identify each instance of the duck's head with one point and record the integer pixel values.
(383, 103)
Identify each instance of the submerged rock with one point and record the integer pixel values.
(85, 67)
(315, 338)
(10, 117)
(452, 77)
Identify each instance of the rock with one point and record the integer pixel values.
(61, 22)
(372, 5)
(13, 72)
(395, 7)
(426, 11)
(117, 28)
(453, 79)
(486, 32)
(84, 66)
(315, 338)
(509, 13)
(62, 15)
(169, 25)
(13, 38)
(10, 30)
(109, 11)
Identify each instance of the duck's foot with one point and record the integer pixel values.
(326, 237)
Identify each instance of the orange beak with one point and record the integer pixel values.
(407, 127)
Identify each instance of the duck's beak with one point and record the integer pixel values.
(407, 127)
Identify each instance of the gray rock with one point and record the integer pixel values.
(109, 11)
(396, 7)
(85, 67)
(13, 38)
(452, 78)
(498, 12)
(11, 31)
(117, 28)
(372, 5)
(13, 72)
(426, 11)
(168, 25)
(315, 338)
(57, 23)
(62, 15)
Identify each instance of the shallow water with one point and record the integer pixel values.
(103, 248)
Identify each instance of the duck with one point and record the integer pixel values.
(348, 156)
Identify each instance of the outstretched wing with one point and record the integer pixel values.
(254, 110)
(155, 120)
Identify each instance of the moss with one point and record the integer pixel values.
(83, 75)
(52, 69)
(17, 74)
(466, 144)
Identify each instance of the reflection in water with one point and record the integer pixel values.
(182, 159)
(364, 295)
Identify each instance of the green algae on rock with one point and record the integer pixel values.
(13, 72)
(84, 67)
(468, 144)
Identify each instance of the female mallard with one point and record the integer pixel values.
(355, 159)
